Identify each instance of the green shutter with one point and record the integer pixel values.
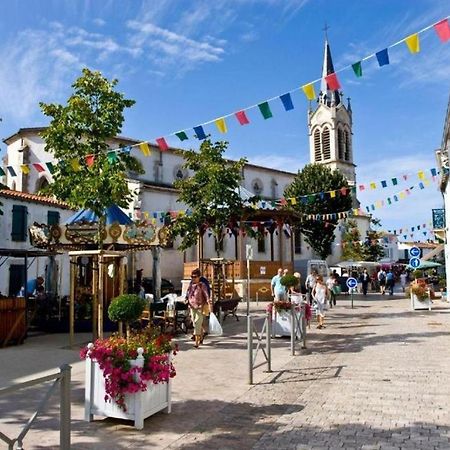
(19, 223)
(52, 218)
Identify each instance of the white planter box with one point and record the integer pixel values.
(282, 323)
(416, 304)
(140, 405)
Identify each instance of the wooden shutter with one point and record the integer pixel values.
(52, 218)
(19, 223)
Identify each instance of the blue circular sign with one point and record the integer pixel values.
(414, 262)
(351, 283)
(414, 252)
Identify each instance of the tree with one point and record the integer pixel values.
(87, 174)
(373, 250)
(211, 193)
(352, 249)
(316, 178)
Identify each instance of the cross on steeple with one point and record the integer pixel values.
(325, 29)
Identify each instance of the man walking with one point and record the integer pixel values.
(382, 281)
(277, 289)
(390, 281)
(364, 279)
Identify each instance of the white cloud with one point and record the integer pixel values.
(99, 22)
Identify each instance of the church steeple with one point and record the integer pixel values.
(327, 96)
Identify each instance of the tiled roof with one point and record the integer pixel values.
(24, 196)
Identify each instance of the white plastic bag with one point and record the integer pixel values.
(214, 326)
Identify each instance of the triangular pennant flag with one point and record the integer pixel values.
(221, 125)
(394, 181)
(145, 148)
(383, 184)
(112, 157)
(242, 117)
(11, 171)
(162, 144)
(74, 163)
(39, 167)
(264, 108)
(181, 135)
(442, 29)
(200, 132)
(90, 160)
(50, 167)
(286, 99)
(389, 201)
(357, 68)
(421, 175)
(332, 82)
(382, 57)
(405, 177)
(308, 90)
(413, 43)
(2, 172)
(293, 201)
(25, 169)
(332, 194)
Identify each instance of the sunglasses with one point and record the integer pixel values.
(194, 276)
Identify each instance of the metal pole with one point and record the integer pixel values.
(268, 342)
(351, 294)
(292, 329)
(248, 286)
(64, 412)
(250, 348)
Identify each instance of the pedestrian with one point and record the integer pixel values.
(206, 315)
(331, 283)
(403, 277)
(320, 294)
(390, 281)
(310, 283)
(382, 280)
(198, 300)
(277, 289)
(365, 280)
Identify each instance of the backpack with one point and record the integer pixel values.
(381, 276)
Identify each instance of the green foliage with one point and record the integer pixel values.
(418, 274)
(289, 281)
(352, 250)
(211, 193)
(126, 308)
(373, 250)
(319, 178)
(92, 116)
(442, 282)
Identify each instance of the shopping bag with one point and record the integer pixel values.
(214, 326)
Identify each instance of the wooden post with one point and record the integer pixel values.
(122, 274)
(156, 273)
(73, 268)
(101, 273)
(95, 298)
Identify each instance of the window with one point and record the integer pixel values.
(41, 183)
(317, 150)
(19, 223)
(52, 218)
(262, 241)
(16, 279)
(341, 146)
(348, 149)
(326, 143)
(297, 241)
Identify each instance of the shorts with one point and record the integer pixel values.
(320, 309)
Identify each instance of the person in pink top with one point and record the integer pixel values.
(197, 298)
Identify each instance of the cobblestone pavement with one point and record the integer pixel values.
(375, 378)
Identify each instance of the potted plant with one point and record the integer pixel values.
(128, 378)
(443, 287)
(126, 308)
(289, 281)
(420, 296)
(281, 314)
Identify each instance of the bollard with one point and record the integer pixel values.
(250, 348)
(292, 329)
(64, 412)
(268, 341)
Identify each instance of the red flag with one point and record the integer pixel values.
(38, 167)
(90, 160)
(343, 191)
(332, 82)
(242, 117)
(361, 187)
(443, 30)
(162, 144)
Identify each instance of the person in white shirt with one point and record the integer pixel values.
(403, 277)
(320, 294)
(310, 283)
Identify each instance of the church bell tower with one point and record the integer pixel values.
(330, 127)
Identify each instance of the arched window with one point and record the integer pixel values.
(317, 149)
(326, 149)
(341, 145)
(348, 145)
(41, 183)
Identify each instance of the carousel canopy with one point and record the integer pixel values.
(113, 214)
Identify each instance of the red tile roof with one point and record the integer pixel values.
(24, 196)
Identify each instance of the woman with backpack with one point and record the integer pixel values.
(382, 281)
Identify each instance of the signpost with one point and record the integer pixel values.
(414, 252)
(351, 284)
(414, 262)
(248, 256)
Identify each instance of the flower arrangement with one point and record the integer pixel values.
(113, 356)
(279, 306)
(419, 290)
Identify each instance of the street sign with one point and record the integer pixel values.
(351, 283)
(248, 252)
(414, 252)
(414, 262)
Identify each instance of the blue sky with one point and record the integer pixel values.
(186, 62)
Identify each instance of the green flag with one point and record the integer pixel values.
(357, 68)
(50, 167)
(2, 172)
(112, 157)
(265, 110)
(182, 136)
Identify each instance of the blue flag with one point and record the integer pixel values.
(200, 132)
(287, 102)
(382, 57)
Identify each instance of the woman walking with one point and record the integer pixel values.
(198, 300)
(320, 294)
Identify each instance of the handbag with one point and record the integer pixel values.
(206, 310)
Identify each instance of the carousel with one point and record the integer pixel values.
(98, 273)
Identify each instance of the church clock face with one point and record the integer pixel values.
(257, 186)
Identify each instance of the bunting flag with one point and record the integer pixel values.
(39, 167)
(373, 185)
(221, 125)
(242, 117)
(308, 90)
(145, 149)
(286, 99)
(200, 132)
(394, 181)
(413, 43)
(25, 169)
(362, 187)
(90, 159)
(50, 167)
(181, 135)
(442, 29)
(357, 69)
(382, 57)
(75, 164)
(264, 108)
(332, 82)
(2, 172)
(112, 157)
(384, 184)
(433, 172)
(332, 194)
(162, 144)
(11, 171)
(421, 175)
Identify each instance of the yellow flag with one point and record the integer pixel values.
(355, 212)
(221, 125)
(378, 204)
(332, 194)
(402, 195)
(293, 200)
(74, 163)
(421, 175)
(145, 149)
(373, 185)
(25, 169)
(426, 182)
(308, 90)
(413, 43)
